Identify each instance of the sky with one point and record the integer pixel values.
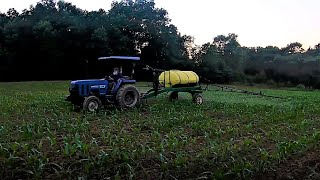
(256, 22)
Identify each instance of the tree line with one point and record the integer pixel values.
(56, 40)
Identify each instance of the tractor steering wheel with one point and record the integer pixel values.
(109, 78)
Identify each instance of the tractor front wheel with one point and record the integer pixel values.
(128, 96)
(92, 104)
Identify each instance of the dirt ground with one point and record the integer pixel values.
(303, 166)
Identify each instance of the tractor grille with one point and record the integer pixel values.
(81, 90)
(84, 89)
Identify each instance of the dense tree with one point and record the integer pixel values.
(57, 40)
(293, 48)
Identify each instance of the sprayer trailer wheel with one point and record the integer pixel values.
(173, 96)
(197, 98)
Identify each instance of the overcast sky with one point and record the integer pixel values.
(257, 22)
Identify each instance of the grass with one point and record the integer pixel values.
(230, 136)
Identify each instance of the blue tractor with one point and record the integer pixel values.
(115, 89)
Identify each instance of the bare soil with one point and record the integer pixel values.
(303, 166)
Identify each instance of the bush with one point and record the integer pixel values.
(301, 86)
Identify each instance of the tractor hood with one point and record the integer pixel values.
(89, 82)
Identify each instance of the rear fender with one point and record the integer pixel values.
(122, 82)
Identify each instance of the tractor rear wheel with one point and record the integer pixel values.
(128, 96)
(92, 104)
(197, 98)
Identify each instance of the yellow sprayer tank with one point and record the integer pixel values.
(176, 77)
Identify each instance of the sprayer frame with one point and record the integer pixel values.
(195, 90)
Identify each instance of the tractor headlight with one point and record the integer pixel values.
(73, 87)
